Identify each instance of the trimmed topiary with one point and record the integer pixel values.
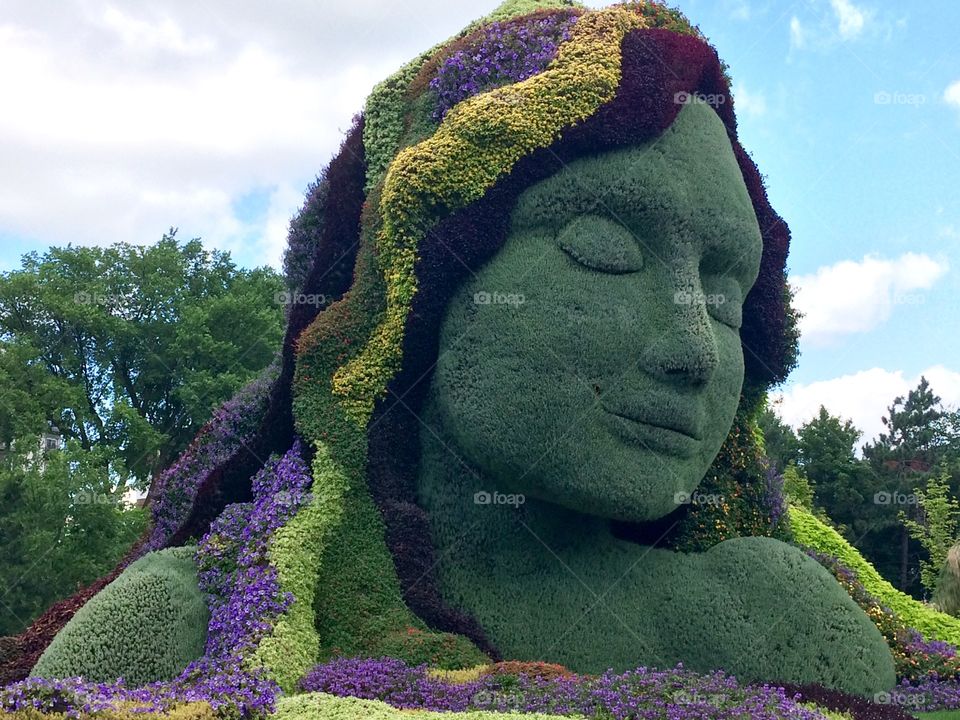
(435, 199)
(813, 533)
(146, 625)
(8, 649)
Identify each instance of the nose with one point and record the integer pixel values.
(682, 347)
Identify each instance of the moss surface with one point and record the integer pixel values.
(146, 625)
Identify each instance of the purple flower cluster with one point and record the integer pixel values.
(506, 53)
(929, 695)
(241, 585)
(229, 689)
(231, 425)
(244, 597)
(676, 694)
(915, 643)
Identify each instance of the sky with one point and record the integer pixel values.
(121, 120)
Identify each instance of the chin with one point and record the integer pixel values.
(650, 499)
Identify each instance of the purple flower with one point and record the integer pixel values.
(244, 597)
(676, 694)
(232, 424)
(504, 54)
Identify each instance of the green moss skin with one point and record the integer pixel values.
(146, 625)
(604, 256)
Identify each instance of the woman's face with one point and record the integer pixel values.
(595, 360)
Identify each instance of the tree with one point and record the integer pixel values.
(936, 528)
(131, 347)
(781, 442)
(827, 457)
(914, 442)
(64, 523)
(797, 487)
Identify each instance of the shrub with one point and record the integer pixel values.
(812, 533)
(146, 625)
(183, 711)
(946, 597)
(320, 706)
(856, 707)
(8, 649)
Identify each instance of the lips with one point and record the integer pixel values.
(679, 434)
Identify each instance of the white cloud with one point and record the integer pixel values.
(798, 35)
(952, 94)
(738, 9)
(854, 297)
(862, 397)
(747, 102)
(851, 19)
(284, 201)
(158, 34)
(121, 119)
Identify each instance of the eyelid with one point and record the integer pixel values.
(600, 244)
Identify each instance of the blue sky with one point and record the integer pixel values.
(214, 117)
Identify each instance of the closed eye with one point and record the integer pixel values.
(600, 244)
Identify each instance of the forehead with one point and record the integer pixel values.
(688, 175)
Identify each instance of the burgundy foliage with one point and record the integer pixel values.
(859, 708)
(329, 278)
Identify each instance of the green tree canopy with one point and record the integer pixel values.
(63, 523)
(131, 347)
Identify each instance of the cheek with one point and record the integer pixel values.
(510, 380)
(723, 392)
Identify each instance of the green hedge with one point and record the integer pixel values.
(146, 625)
(320, 706)
(183, 711)
(812, 533)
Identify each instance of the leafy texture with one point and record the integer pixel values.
(147, 625)
(813, 533)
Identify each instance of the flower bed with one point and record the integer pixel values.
(244, 599)
(676, 694)
(917, 660)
